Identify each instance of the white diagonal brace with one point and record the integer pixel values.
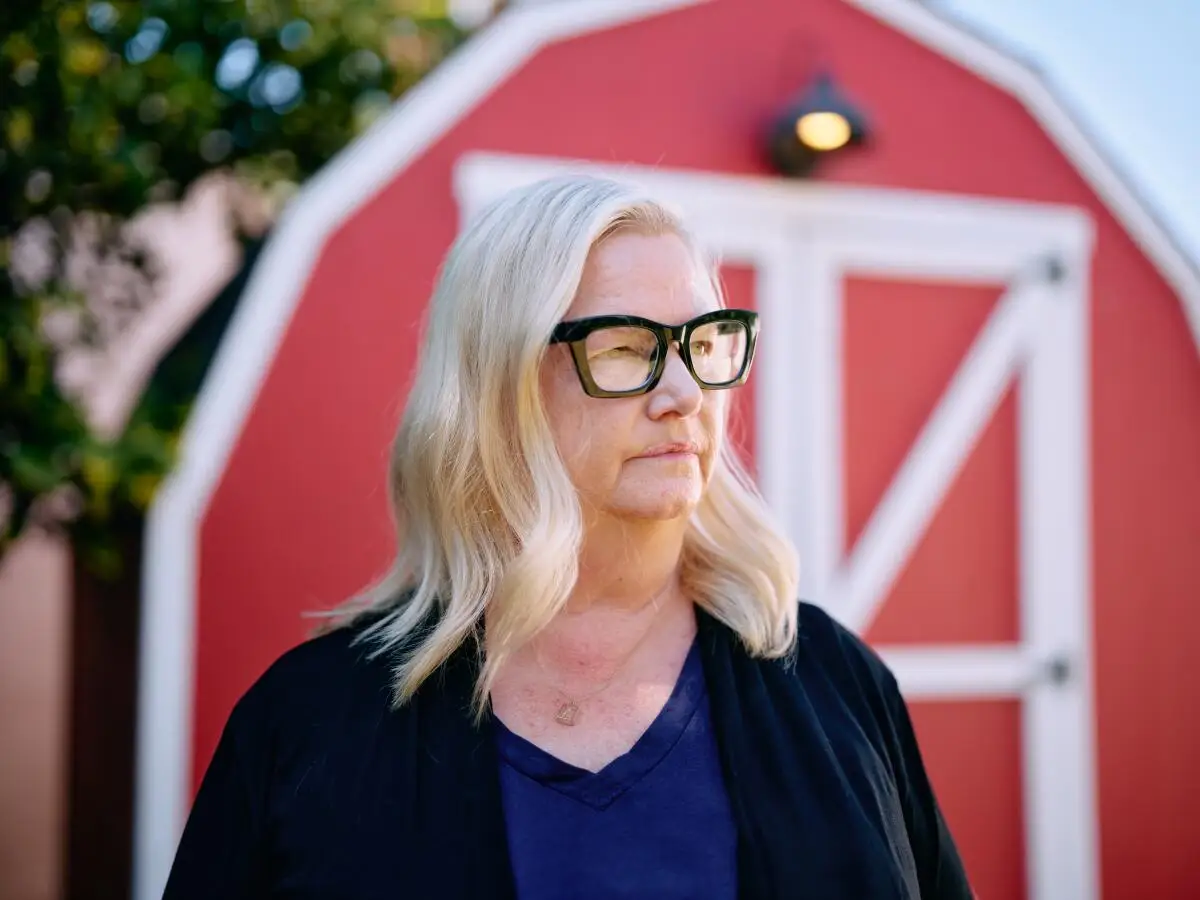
(933, 462)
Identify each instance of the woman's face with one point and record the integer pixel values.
(624, 453)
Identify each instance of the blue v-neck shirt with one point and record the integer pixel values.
(654, 822)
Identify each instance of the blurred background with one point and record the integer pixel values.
(972, 230)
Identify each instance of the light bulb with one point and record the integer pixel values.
(823, 130)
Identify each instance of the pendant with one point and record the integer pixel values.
(566, 713)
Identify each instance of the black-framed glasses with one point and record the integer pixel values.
(622, 356)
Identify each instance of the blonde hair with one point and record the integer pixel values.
(486, 515)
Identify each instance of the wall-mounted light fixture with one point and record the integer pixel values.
(821, 121)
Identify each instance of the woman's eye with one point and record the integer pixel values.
(702, 348)
(621, 351)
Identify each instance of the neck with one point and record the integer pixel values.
(627, 565)
(627, 588)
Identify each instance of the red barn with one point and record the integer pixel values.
(977, 405)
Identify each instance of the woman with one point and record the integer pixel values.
(586, 674)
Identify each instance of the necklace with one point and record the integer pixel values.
(569, 711)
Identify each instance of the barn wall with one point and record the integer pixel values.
(299, 519)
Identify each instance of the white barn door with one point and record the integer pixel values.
(804, 241)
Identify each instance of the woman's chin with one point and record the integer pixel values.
(665, 500)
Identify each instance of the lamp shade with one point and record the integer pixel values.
(821, 121)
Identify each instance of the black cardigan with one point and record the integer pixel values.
(318, 789)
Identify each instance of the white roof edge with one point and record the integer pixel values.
(958, 43)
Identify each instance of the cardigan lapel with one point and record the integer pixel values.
(799, 823)
(459, 804)
(729, 720)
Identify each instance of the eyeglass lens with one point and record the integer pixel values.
(623, 357)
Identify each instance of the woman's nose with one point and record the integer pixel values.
(678, 389)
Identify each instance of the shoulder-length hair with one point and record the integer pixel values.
(486, 515)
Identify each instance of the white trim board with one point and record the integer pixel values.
(416, 123)
(744, 214)
(966, 672)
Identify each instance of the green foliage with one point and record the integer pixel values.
(108, 106)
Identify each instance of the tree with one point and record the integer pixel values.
(106, 107)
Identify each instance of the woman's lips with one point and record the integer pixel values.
(674, 450)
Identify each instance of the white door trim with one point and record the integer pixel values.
(964, 672)
(803, 239)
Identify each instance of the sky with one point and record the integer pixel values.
(1130, 73)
